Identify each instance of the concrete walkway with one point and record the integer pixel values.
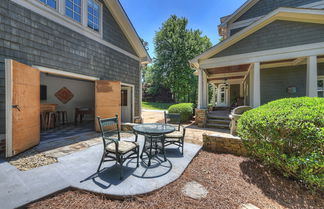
(78, 170)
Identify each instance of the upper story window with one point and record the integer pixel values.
(50, 3)
(93, 15)
(73, 9)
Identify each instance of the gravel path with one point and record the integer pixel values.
(230, 181)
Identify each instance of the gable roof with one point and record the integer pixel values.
(127, 27)
(289, 14)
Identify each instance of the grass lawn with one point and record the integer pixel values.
(156, 105)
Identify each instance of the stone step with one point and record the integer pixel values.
(221, 126)
(218, 117)
(216, 121)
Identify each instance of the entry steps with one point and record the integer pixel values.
(216, 121)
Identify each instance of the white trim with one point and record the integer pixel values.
(267, 55)
(227, 95)
(222, 75)
(54, 16)
(9, 88)
(133, 99)
(247, 22)
(64, 73)
(244, 23)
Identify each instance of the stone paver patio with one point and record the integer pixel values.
(79, 170)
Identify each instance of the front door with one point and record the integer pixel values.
(108, 99)
(126, 104)
(22, 107)
(222, 96)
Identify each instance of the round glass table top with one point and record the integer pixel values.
(154, 128)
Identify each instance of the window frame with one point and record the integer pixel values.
(99, 18)
(320, 78)
(81, 11)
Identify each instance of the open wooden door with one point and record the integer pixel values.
(108, 100)
(22, 107)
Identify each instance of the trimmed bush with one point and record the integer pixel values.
(185, 110)
(288, 135)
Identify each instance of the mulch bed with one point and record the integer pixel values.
(230, 180)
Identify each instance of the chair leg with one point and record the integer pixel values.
(137, 163)
(121, 167)
(182, 144)
(102, 159)
(163, 151)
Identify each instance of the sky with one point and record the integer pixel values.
(147, 16)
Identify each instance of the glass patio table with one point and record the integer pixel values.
(154, 139)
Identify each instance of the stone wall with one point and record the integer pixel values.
(224, 144)
(201, 117)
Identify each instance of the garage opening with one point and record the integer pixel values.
(67, 106)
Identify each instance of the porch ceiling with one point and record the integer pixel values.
(217, 75)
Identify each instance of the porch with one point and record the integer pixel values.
(237, 82)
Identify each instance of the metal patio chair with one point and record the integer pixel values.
(176, 137)
(114, 149)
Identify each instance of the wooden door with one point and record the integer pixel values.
(22, 107)
(108, 99)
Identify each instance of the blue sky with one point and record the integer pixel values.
(147, 16)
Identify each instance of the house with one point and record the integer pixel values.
(77, 57)
(270, 50)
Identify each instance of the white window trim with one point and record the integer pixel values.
(85, 18)
(60, 18)
(46, 5)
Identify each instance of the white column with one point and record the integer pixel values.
(241, 90)
(202, 88)
(311, 77)
(206, 95)
(256, 85)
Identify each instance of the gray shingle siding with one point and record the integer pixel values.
(113, 33)
(34, 40)
(278, 34)
(264, 7)
(236, 30)
(274, 82)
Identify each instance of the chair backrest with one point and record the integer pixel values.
(109, 127)
(172, 118)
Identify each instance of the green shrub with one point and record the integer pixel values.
(185, 110)
(288, 135)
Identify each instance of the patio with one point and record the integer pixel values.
(78, 170)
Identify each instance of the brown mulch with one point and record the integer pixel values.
(230, 180)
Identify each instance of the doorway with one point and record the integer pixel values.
(126, 103)
(223, 95)
(33, 90)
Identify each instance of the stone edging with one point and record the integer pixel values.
(224, 144)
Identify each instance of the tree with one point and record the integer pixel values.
(174, 46)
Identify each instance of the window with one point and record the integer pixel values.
(124, 97)
(50, 3)
(320, 87)
(93, 15)
(73, 9)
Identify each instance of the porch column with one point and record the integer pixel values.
(202, 90)
(256, 91)
(311, 77)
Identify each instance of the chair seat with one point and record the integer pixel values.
(175, 134)
(123, 146)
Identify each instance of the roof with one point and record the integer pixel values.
(283, 13)
(127, 27)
